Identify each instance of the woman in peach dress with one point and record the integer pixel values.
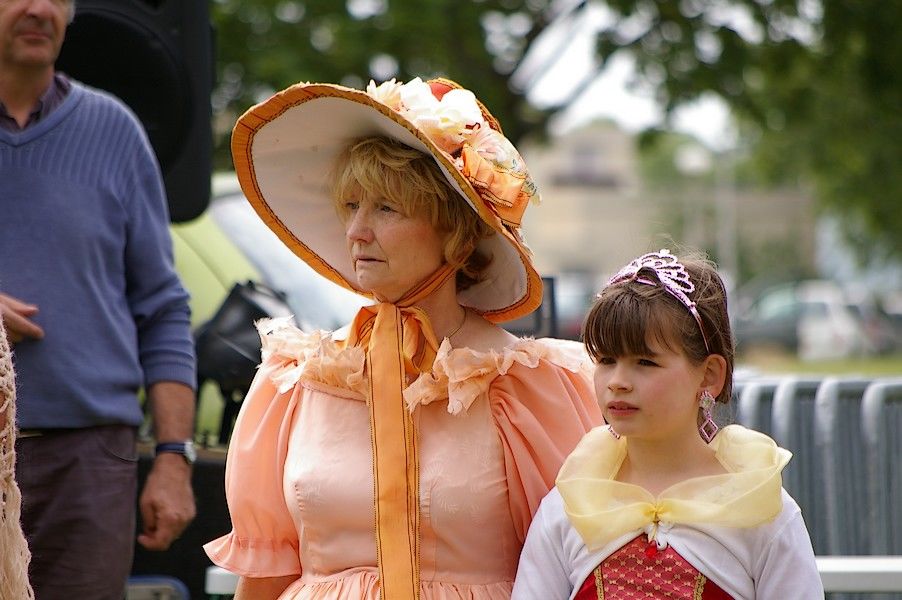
(403, 456)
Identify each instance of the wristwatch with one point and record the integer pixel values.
(186, 449)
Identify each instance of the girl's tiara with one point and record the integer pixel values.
(671, 274)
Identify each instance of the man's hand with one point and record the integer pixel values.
(167, 501)
(16, 316)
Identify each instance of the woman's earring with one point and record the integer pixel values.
(613, 433)
(708, 428)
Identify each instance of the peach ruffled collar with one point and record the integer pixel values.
(458, 376)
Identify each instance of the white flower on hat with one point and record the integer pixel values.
(447, 122)
(387, 92)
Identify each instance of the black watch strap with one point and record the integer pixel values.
(186, 449)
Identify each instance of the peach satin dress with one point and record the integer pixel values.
(493, 427)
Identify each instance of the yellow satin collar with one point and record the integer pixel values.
(398, 341)
(602, 509)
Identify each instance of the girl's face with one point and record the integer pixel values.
(391, 251)
(652, 397)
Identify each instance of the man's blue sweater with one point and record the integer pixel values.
(84, 236)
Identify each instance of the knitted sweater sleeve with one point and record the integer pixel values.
(156, 297)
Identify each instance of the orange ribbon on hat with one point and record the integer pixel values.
(399, 341)
(506, 192)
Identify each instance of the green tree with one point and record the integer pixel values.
(266, 45)
(814, 84)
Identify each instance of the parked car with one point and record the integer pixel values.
(882, 330)
(810, 318)
(229, 244)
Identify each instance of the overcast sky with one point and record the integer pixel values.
(571, 44)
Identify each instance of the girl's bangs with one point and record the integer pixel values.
(622, 323)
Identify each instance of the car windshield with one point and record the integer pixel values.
(317, 303)
(778, 304)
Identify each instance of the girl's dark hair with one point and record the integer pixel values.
(627, 315)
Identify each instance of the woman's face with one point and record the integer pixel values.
(391, 251)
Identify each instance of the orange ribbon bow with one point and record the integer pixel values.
(399, 341)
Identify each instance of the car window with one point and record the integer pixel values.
(815, 309)
(778, 304)
(317, 302)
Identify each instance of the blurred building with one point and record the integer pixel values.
(593, 216)
(597, 214)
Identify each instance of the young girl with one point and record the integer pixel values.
(658, 504)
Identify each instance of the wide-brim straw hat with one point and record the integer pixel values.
(284, 150)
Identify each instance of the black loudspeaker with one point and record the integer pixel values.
(157, 56)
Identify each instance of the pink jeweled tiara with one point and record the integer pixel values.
(671, 274)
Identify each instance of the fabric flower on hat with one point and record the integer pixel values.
(498, 172)
(447, 122)
(456, 124)
(493, 146)
(387, 92)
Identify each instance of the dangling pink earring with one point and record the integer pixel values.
(708, 428)
(613, 433)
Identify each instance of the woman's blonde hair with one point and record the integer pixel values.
(385, 168)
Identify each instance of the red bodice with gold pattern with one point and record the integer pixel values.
(640, 570)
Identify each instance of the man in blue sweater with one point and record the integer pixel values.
(94, 310)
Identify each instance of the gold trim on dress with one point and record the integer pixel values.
(599, 583)
(700, 581)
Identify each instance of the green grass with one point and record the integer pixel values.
(782, 364)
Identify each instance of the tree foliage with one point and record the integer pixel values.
(815, 84)
(266, 45)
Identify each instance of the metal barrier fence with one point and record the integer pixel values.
(846, 473)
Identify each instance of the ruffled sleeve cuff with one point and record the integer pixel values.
(264, 540)
(254, 558)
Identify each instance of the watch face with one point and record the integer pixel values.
(190, 452)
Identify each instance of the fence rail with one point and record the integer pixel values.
(846, 472)
(861, 573)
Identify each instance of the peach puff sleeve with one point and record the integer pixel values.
(263, 541)
(541, 412)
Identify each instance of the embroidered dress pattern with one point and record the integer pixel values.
(629, 574)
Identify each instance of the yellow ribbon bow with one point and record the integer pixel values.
(602, 508)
